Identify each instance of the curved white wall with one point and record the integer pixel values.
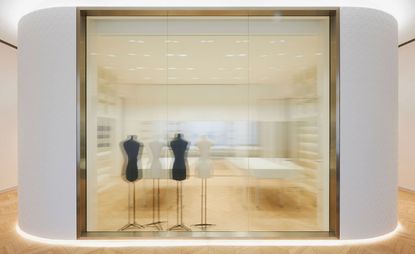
(407, 116)
(47, 123)
(368, 122)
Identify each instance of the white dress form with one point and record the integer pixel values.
(204, 170)
(156, 169)
(204, 165)
(156, 166)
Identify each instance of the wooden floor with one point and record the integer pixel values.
(256, 204)
(403, 242)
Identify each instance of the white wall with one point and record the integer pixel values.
(8, 117)
(368, 123)
(407, 116)
(47, 123)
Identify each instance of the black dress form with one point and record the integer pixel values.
(132, 149)
(179, 147)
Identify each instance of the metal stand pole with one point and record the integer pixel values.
(156, 222)
(179, 210)
(203, 207)
(133, 224)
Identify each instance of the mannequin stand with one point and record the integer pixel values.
(131, 224)
(179, 212)
(203, 207)
(156, 222)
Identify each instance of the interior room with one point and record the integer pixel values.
(248, 94)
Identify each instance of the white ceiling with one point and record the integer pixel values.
(214, 50)
(12, 10)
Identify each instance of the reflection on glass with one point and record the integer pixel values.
(230, 115)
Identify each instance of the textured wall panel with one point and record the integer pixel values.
(47, 123)
(368, 116)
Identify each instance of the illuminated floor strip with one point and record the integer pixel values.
(202, 242)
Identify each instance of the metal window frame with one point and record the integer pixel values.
(334, 129)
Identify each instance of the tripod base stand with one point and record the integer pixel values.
(131, 206)
(203, 207)
(131, 226)
(157, 224)
(179, 226)
(203, 225)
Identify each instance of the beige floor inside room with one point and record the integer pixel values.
(236, 201)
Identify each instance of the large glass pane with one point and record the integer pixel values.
(289, 107)
(207, 123)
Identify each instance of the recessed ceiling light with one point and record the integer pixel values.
(239, 68)
(182, 54)
(169, 54)
(241, 41)
(171, 41)
(172, 68)
(135, 41)
(139, 68)
(281, 54)
(229, 55)
(299, 56)
(146, 55)
(319, 54)
(280, 41)
(160, 69)
(207, 41)
(242, 54)
(190, 69)
(93, 54)
(132, 54)
(131, 69)
(111, 55)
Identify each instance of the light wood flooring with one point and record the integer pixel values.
(403, 242)
(254, 204)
